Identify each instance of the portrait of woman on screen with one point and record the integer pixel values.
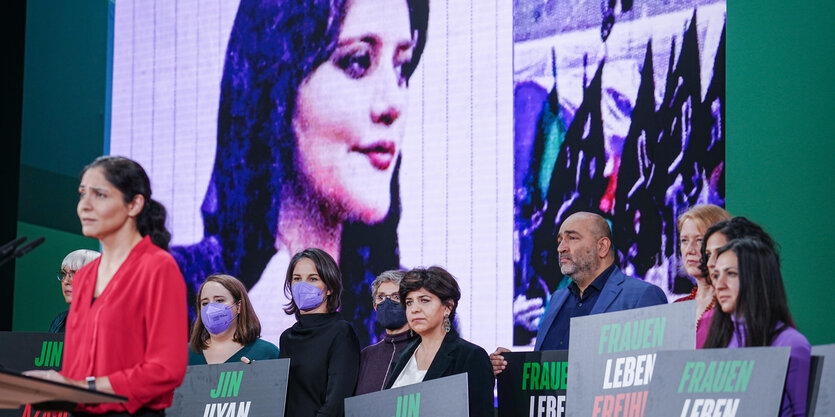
(310, 126)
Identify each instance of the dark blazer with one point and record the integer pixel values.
(456, 356)
(621, 292)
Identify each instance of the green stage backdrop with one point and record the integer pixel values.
(64, 125)
(780, 146)
(37, 290)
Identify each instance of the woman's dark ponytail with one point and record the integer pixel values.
(131, 180)
(151, 222)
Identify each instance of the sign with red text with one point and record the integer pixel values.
(533, 384)
(612, 357)
(745, 382)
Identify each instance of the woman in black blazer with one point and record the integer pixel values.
(431, 297)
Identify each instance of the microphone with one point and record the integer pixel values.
(8, 252)
(29, 246)
(11, 246)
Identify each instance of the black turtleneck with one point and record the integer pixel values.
(324, 354)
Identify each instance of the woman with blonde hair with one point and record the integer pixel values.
(692, 225)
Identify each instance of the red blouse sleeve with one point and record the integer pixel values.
(165, 325)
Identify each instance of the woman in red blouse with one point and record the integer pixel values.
(127, 328)
(692, 225)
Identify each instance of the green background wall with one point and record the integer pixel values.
(65, 96)
(780, 89)
(37, 290)
(780, 148)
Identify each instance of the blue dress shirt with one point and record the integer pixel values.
(575, 306)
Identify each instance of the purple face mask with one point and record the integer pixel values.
(216, 317)
(306, 296)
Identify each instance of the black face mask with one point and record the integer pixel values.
(391, 315)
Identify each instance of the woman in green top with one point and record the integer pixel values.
(227, 329)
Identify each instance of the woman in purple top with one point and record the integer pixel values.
(714, 238)
(753, 312)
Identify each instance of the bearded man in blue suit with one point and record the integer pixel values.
(598, 285)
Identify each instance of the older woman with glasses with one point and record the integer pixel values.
(71, 263)
(377, 360)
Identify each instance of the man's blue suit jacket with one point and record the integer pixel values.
(620, 293)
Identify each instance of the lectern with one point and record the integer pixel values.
(17, 390)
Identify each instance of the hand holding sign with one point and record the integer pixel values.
(497, 360)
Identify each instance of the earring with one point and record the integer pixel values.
(447, 325)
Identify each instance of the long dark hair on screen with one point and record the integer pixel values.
(761, 303)
(131, 180)
(274, 45)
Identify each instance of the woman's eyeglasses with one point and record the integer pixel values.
(382, 297)
(64, 274)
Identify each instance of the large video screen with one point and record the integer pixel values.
(375, 133)
(414, 133)
(618, 109)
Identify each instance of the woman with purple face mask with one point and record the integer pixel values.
(323, 348)
(227, 329)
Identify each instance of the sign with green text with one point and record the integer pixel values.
(23, 351)
(612, 357)
(233, 390)
(718, 382)
(533, 384)
(439, 397)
